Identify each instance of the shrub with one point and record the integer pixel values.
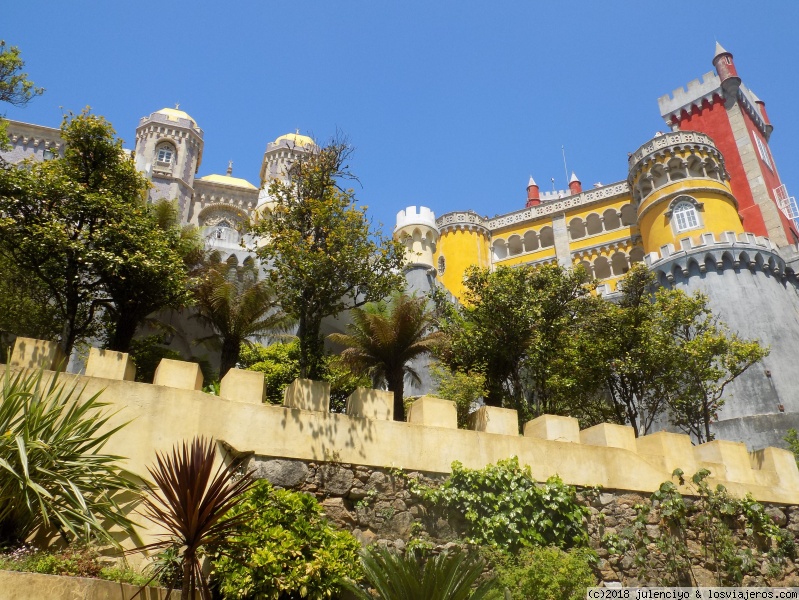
(504, 508)
(545, 573)
(452, 575)
(53, 474)
(286, 548)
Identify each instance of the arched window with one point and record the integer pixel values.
(441, 265)
(685, 216)
(165, 155)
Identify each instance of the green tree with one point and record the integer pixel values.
(237, 305)
(520, 327)
(384, 338)
(709, 357)
(59, 217)
(324, 257)
(145, 267)
(15, 87)
(463, 388)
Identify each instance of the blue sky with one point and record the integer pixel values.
(452, 105)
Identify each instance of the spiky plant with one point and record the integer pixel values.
(451, 575)
(384, 337)
(53, 474)
(190, 499)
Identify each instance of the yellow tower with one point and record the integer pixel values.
(680, 185)
(465, 241)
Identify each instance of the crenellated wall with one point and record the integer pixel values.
(174, 408)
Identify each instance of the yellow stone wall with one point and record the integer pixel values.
(461, 249)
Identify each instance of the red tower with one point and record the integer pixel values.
(533, 194)
(721, 106)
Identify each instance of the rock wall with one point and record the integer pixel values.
(377, 506)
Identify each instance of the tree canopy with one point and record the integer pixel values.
(15, 87)
(80, 225)
(323, 255)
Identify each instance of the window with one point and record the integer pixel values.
(165, 154)
(761, 148)
(685, 216)
(441, 265)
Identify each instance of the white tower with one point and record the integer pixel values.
(417, 230)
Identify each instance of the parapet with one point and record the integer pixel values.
(416, 216)
(727, 251)
(697, 92)
(608, 455)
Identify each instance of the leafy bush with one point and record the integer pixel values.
(53, 473)
(280, 364)
(72, 561)
(285, 549)
(505, 508)
(450, 575)
(545, 573)
(146, 353)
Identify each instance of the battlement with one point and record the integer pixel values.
(416, 216)
(173, 408)
(728, 251)
(696, 92)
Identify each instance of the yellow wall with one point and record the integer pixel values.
(461, 248)
(719, 213)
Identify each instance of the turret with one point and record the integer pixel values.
(418, 232)
(169, 150)
(725, 67)
(680, 184)
(575, 185)
(278, 158)
(533, 193)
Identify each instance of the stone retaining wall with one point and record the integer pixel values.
(377, 506)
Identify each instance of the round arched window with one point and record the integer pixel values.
(441, 265)
(685, 216)
(165, 154)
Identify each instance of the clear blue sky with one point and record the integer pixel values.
(452, 105)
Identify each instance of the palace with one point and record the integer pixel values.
(702, 205)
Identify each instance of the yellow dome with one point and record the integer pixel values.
(228, 180)
(296, 139)
(173, 114)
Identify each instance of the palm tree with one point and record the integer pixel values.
(384, 337)
(237, 305)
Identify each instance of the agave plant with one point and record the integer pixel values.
(53, 475)
(450, 575)
(190, 499)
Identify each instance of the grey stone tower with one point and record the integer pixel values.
(169, 150)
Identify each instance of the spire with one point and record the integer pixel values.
(230, 168)
(533, 195)
(574, 184)
(719, 50)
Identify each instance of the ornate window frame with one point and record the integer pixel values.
(694, 214)
(442, 265)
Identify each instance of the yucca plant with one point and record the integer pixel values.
(190, 499)
(451, 575)
(53, 476)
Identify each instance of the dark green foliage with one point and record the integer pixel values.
(280, 364)
(384, 338)
(147, 353)
(285, 549)
(546, 573)
(792, 439)
(452, 575)
(190, 500)
(53, 474)
(505, 508)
